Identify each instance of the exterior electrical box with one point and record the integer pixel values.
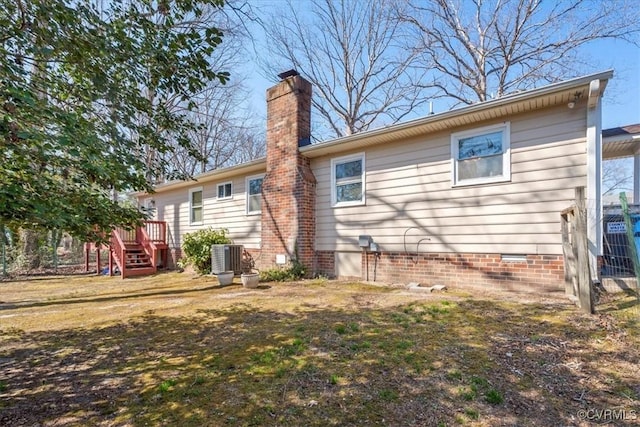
(364, 241)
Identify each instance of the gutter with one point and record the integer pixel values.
(315, 150)
(478, 107)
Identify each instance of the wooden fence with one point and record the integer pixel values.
(576, 253)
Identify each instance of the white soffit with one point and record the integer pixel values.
(544, 97)
(253, 167)
(621, 142)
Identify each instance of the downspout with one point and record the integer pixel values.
(594, 176)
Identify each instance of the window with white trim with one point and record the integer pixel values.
(225, 190)
(195, 206)
(481, 156)
(254, 194)
(348, 180)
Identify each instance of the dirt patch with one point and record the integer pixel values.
(180, 350)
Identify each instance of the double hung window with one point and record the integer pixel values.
(348, 181)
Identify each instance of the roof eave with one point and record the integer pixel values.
(323, 148)
(381, 134)
(253, 166)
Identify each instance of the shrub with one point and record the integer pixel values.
(196, 247)
(294, 272)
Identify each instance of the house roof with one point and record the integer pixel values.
(623, 131)
(543, 97)
(253, 167)
(621, 141)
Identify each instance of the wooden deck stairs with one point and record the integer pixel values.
(139, 251)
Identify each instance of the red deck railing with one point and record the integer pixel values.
(150, 237)
(156, 231)
(148, 245)
(128, 237)
(118, 250)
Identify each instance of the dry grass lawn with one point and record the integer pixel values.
(178, 350)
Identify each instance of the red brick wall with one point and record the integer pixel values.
(326, 263)
(289, 186)
(537, 273)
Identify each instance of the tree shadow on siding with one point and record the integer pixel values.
(418, 226)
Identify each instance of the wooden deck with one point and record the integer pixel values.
(137, 251)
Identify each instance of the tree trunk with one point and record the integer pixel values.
(29, 249)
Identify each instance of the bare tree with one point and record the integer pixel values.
(226, 132)
(474, 50)
(253, 146)
(617, 176)
(350, 50)
(220, 114)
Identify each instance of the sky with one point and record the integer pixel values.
(621, 101)
(620, 105)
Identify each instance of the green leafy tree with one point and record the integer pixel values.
(74, 107)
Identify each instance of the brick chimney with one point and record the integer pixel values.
(289, 186)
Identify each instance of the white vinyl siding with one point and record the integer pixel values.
(254, 194)
(348, 181)
(173, 207)
(195, 206)
(225, 190)
(148, 206)
(481, 156)
(409, 191)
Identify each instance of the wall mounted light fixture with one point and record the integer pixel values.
(572, 101)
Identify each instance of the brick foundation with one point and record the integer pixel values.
(325, 264)
(536, 273)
